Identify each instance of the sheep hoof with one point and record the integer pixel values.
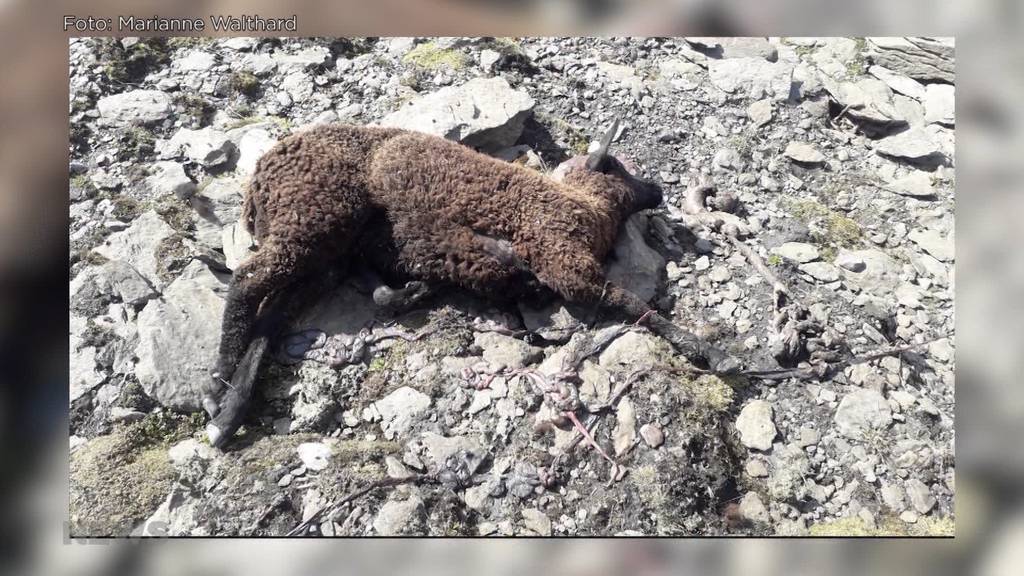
(215, 436)
(399, 299)
(211, 406)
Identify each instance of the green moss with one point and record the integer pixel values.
(130, 65)
(711, 394)
(175, 212)
(857, 66)
(164, 428)
(184, 42)
(125, 208)
(432, 57)
(245, 83)
(774, 260)
(172, 255)
(835, 230)
(886, 526)
(137, 143)
(742, 144)
(347, 451)
(116, 483)
(195, 107)
(390, 359)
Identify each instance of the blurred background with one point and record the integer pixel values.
(990, 403)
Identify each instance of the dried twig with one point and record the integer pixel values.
(336, 506)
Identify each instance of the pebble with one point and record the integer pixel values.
(652, 435)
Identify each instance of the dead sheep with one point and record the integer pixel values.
(430, 210)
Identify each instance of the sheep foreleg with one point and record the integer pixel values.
(686, 343)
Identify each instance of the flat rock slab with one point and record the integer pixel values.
(633, 264)
(918, 58)
(134, 107)
(752, 77)
(861, 411)
(755, 425)
(179, 335)
(484, 113)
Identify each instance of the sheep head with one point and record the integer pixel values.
(610, 178)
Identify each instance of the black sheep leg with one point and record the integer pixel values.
(582, 280)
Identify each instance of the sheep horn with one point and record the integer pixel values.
(597, 156)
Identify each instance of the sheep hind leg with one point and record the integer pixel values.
(264, 275)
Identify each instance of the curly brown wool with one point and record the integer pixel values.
(422, 207)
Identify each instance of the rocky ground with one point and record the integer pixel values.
(839, 153)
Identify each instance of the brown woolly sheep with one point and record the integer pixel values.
(425, 208)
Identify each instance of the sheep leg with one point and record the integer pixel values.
(581, 280)
(686, 343)
(263, 275)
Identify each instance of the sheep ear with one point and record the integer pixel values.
(597, 156)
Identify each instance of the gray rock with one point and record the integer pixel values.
(506, 351)
(633, 264)
(238, 244)
(756, 468)
(206, 146)
(752, 77)
(821, 271)
(483, 113)
(898, 82)
(633, 351)
(920, 495)
(735, 47)
(624, 434)
(440, 449)
(930, 267)
(177, 515)
(196, 61)
(727, 159)
(755, 425)
(866, 100)
(167, 177)
(760, 112)
(400, 517)
(753, 509)
(134, 107)
(912, 144)
(894, 497)
(677, 67)
(315, 456)
(917, 184)
(789, 467)
(918, 58)
(850, 261)
(798, 252)
(536, 522)
(720, 273)
(221, 200)
(179, 337)
(624, 76)
(298, 86)
(652, 435)
(303, 59)
(939, 104)
(137, 245)
(83, 374)
(880, 275)
(803, 152)
(934, 243)
(251, 146)
(861, 411)
(556, 321)
(240, 43)
(400, 410)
